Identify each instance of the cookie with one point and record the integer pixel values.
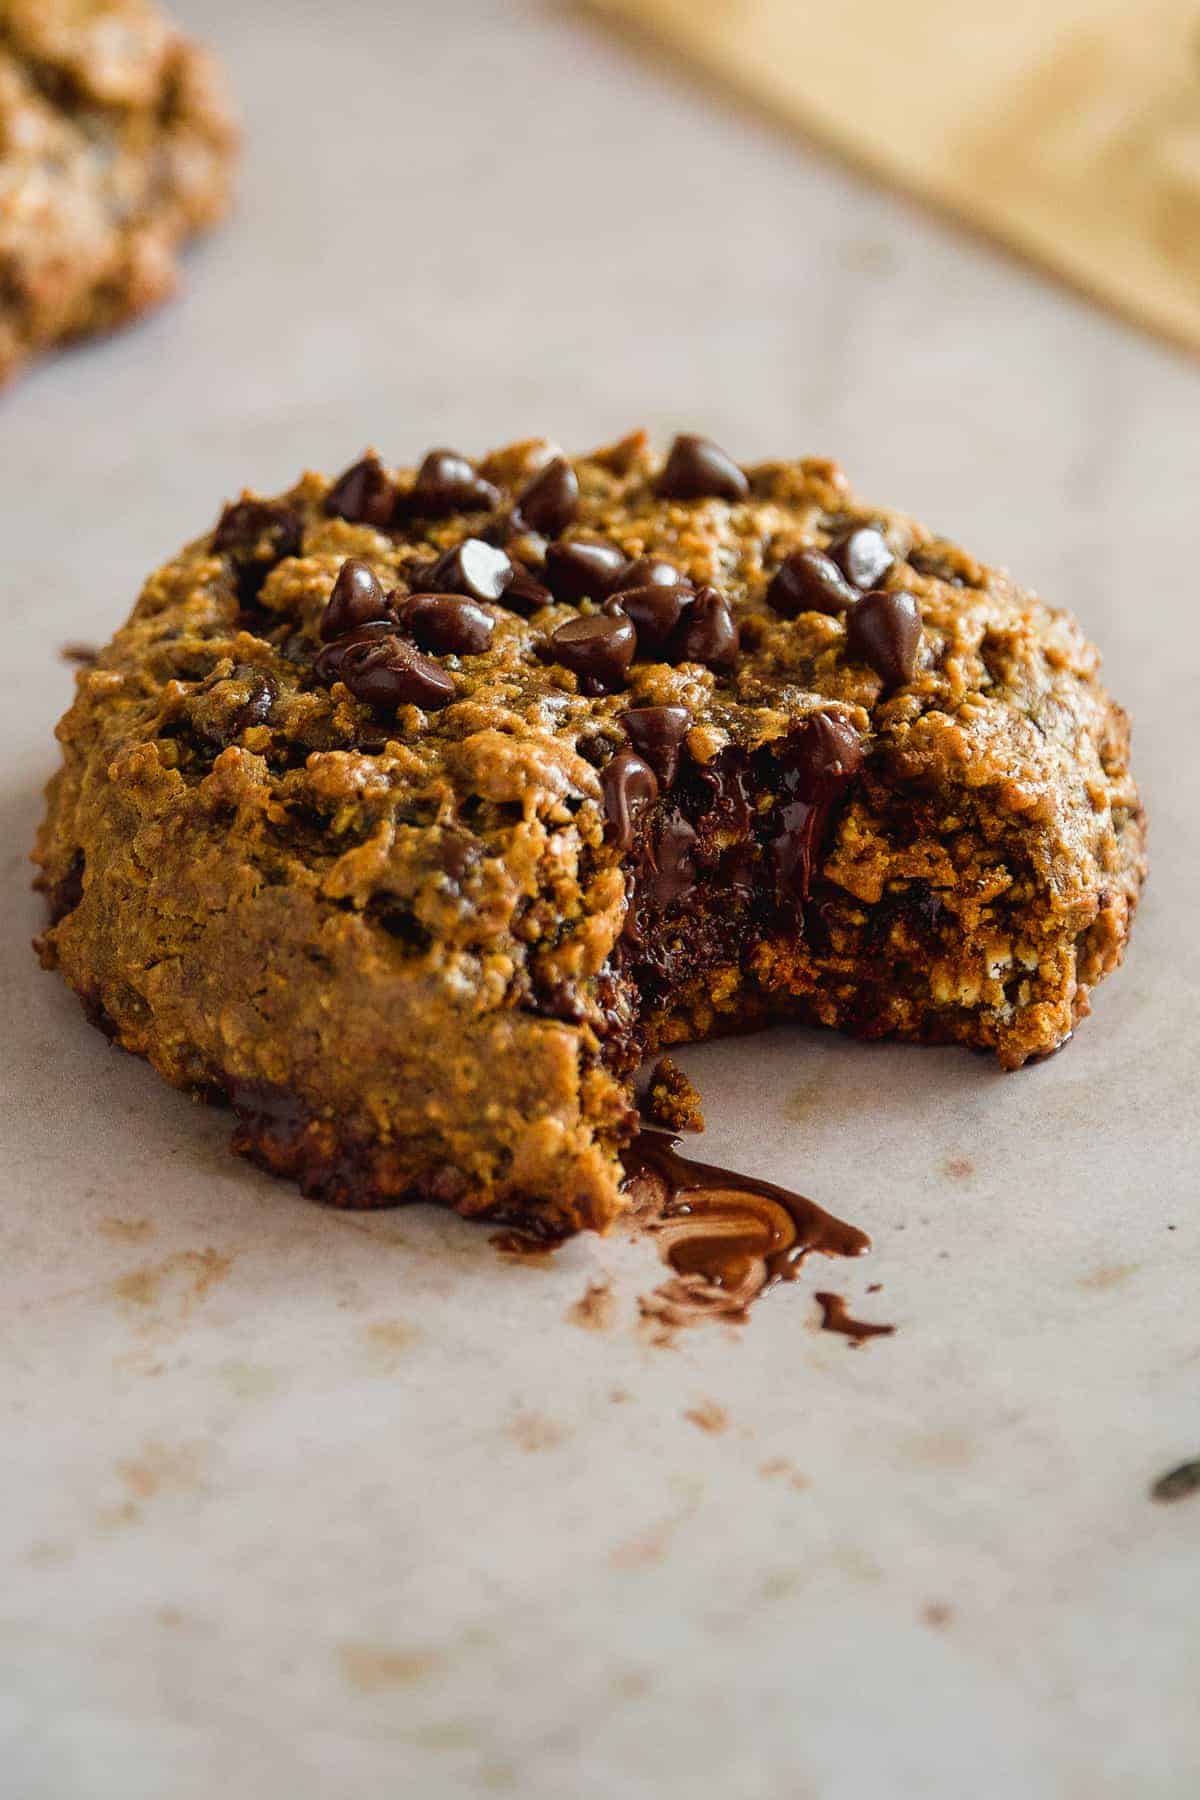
(410, 811)
(116, 144)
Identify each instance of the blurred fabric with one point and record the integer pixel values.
(1070, 128)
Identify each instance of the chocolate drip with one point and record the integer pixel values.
(818, 763)
(727, 1238)
(835, 1317)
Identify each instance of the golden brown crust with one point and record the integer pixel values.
(396, 941)
(116, 144)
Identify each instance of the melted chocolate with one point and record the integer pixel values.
(821, 758)
(727, 1238)
(835, 1317)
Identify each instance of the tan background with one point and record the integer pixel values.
(1071, 129)
(301, 1506)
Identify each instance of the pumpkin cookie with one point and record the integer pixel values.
(116, 144)
(411, 810)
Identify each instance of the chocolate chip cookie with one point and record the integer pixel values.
(410, 811)
(116, 143)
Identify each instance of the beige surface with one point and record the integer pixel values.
(306, 1507)
(1070, 129)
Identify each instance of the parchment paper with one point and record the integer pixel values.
(305, 1504)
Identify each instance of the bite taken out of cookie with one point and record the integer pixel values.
(410, 811)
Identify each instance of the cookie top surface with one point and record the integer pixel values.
(116, 142)
(418, 708)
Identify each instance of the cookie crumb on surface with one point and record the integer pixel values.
(672, 1098)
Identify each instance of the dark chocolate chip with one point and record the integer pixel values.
(815, 766)
(670, 876)
(656, 732)
(656, 611)
(728, 813)
(327, 666)
(259, 529)
(525, 593)
(254, 710)
(364, 495)
(448, 624)
(582, 569)
(697, 469)
(650, 571)
(473, 568)
(707, 633)
(599, 648)
(357, 599)
(629, 785)
(810, 581)
(550, 501)
(885, 631)
(389, 671)
(862, 554)
(447, 483)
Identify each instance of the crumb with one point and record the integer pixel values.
(1177, 1483)
(672, 1099)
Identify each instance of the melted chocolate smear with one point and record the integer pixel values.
(535, 1250)
(835, 1317)
(727, 1239)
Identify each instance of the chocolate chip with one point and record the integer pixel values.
(525, 593)
(255, 709)
(629, 786)
(473, 568)
(707, 633)
(651, 571)
(862, 554)
(448, 624)
(728, 812)
(599, 648)
(810, 581)
(550, 501)
(357, 599)
(388, 672)
(815, 766)
(670, 874)
(656, 733)
(261, 530)
(447, 483)
(364, 495)
(327, 665)
(583, 569)
(885, 631)
(655, 611)
(697, 469)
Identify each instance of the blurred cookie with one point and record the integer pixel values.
(116, 145)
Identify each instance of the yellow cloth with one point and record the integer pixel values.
(1069, 128)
